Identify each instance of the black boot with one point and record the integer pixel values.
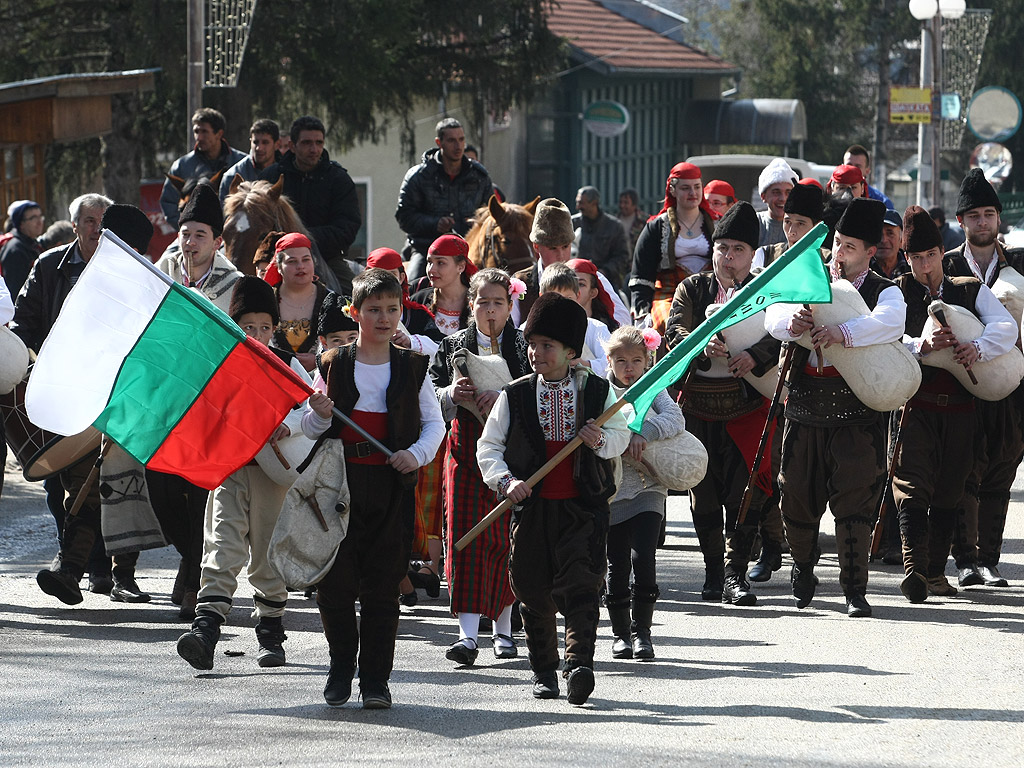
(804, 583)
(339, 683)
(736, 589)
(769, 561)
(270, 636)
(618, 612)
(643, 616)
(913, 524)
(712, 546)
(198, 644)
(853, 540)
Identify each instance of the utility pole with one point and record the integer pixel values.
(196, 56)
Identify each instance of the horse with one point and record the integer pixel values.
(501, 235)
(254, 208)
(186, 187)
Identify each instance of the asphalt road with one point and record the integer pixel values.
(937, 684)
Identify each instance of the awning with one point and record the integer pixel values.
(746, 121)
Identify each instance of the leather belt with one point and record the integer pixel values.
(942, 400)
(360, 450)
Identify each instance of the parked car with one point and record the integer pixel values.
(741, 171)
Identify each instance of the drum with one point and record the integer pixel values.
(60, 453)
(24, 437)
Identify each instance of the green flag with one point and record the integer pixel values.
(798, 276)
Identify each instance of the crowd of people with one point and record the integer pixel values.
(428, 446)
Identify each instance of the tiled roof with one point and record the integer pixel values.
(607, 40)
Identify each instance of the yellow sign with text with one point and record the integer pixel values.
(910, 105)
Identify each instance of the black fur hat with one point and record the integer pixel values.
(919, 231)
(739, 223)
(251, 294)
(976, 192)
(558, 318)
(204, 207)
(130, 224)
(806, 200)
(863, 220)
(333, 318)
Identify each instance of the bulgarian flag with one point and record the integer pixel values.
(158, 369)
(798, 276)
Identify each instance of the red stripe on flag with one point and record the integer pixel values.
(237, 411)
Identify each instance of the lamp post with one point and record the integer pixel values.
(929, 136)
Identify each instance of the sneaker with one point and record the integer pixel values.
(545, 685)
(463, 651)
(126, 590)
(339, 685)
(938, 585)
(376, 695)
(579, 685)
(62, 584)
(197, 645)
(504, 647)
(270, 637)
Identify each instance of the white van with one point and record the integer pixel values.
(742, 171)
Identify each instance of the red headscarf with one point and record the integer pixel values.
(590, 268)
(292, 240)
(811, 181)
(388, 258)
(847, 174)
(719, 187)
(683, 171)
(454, 246)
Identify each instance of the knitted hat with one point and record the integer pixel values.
(976, 192)
(204, 207)
(806, 200)
(847, 175)
(920, 233)
(558, 318)
(739, 223)
(16, 211)
(333, 317)
(552, 224)
(776, 171)
(385, 258)
(292, 240)
(863, 220)
(130, 224)
(719, 187)
(251, 294)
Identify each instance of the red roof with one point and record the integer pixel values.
(621, 44)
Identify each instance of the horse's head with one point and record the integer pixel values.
(186, 187)
(501, 235)
(251, 210)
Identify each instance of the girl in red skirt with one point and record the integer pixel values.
(478, 576)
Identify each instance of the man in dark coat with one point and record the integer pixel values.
(322, 192)
(440, 195)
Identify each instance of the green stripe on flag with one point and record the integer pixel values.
(165, 372)
(798, 276)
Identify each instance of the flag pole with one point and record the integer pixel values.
(535, 478)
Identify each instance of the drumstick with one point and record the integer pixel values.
(83, 492)
(936, 311)
(817, 349)
(280, 456)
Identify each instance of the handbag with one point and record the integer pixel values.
(313, 521)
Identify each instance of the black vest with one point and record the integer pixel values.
(525, 444)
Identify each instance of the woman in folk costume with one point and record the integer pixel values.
(449, 271)
(674, 244)
(477, 577)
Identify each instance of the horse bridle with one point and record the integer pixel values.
(491, 246)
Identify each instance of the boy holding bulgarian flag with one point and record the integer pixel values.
(383, 389)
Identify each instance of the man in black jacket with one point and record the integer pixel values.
(440, 195)
(322, 192)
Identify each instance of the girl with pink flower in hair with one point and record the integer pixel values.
(639, 506)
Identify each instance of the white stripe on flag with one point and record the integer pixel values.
(104, 315)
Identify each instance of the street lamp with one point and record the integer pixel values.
(929, 137)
